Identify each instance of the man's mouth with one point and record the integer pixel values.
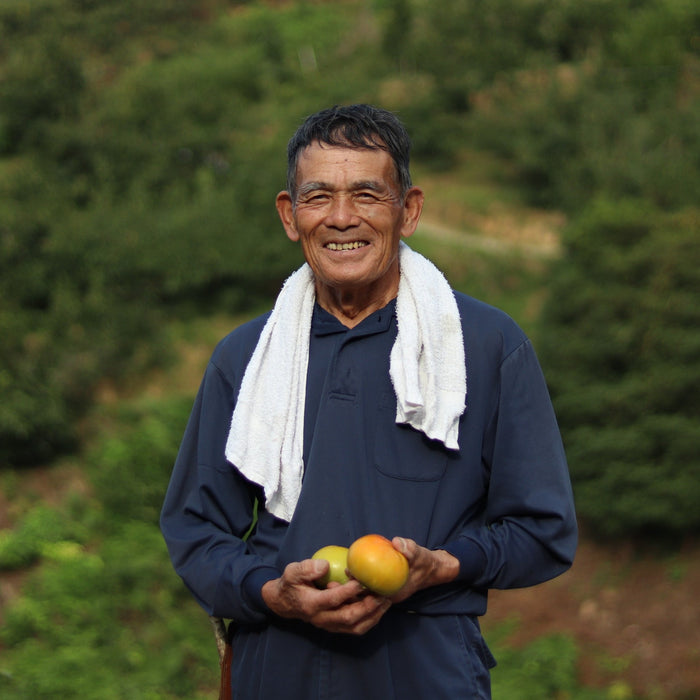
(350, 245)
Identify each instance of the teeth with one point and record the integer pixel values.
(354, 245)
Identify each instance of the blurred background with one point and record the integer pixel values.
(141, 148)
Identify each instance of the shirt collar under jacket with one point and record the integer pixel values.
(324, 323)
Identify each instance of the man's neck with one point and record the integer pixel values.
(351, 309)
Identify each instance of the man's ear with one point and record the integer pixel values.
(285, 209)
(413, 206)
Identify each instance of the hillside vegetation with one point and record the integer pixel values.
(141, 147)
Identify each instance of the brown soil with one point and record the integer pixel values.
(635, 617)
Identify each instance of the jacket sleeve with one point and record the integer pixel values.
(208, 509)
(529, 531)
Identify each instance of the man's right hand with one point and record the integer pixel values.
(346, 608)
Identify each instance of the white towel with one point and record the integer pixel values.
(427, 368)
(427, 365)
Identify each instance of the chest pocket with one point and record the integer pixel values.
(402, 452)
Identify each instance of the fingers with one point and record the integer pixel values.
(356, 617)
(344, 608)
(295, 594)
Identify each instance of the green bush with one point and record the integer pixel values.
(42, 83)
(111, 624)
(544, 669)
(130, 469)
(620, 120)
(485, 40)
(104, 613)
(621, 351)
(34, 535)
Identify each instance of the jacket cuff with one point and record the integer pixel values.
(252, 584)
(472, 558)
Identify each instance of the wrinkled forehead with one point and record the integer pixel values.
(344, 162)
(341, 149)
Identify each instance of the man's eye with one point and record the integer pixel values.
(366, 197)
(315, 198)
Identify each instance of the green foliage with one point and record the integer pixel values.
(622, 119)
(42, 84)
(138, 457)
(485, 39)
(63, 330)
(38, 533)
(104, 616)
(621, 350)
(544, 669)
(92, 624)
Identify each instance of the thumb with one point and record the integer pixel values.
(401, 545)
(304, 571)
(312, 569)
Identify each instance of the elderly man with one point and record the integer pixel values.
(371, 399)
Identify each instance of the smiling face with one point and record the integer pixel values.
(349, 217)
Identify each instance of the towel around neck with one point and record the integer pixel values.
(427, 369)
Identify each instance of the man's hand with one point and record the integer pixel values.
(346, 608)
(350, 608)
(426, 567)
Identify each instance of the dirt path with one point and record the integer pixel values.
(537, 237)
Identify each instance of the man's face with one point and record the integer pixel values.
(349, 217)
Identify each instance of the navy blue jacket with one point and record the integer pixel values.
(502, 505)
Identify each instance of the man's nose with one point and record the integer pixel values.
(341, 212)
